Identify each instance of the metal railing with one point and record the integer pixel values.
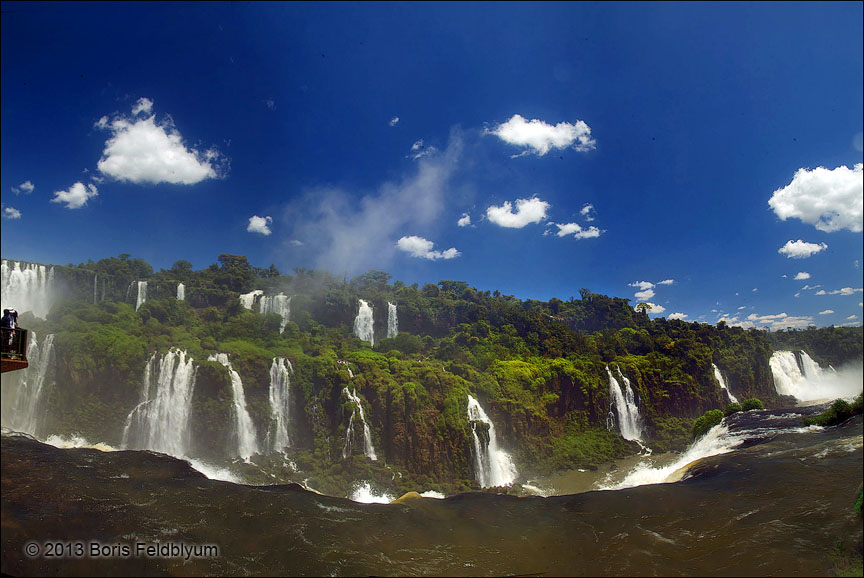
(13, 343)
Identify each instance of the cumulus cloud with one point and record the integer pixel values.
(666, 282)
(259, 225)
(677, 316)
(852, 317)
(826, 312)
(643, 285)
(539, 137)
(587, 211)
(77, 195)
(800, 249)
(26, 187)
(422, 249)
(830, 200)
(140, 150)
(577, 231)
(781, 321)
(528, 211)
(11, 213)
(644, 295)
(843, 291)
(394, 121)
(655, 308)
(465, 220)
(348, 230)
(802, 275)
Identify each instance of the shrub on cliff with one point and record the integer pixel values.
(752, 403)
(838, 412)
(706, 422)
(733, 407)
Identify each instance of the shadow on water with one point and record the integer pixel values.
(771, 508)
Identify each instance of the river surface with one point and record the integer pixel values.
(775, 502)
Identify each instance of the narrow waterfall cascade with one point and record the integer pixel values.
(363, 324)
(392, 320)
(27, 287)
(796, 374)
(24, 391)
(95, 288)
(279, 304)
(624, 403)
(492, 466)
(368, 448)
(347, 367)
(723, 385)
(160, 421)
(244, 430)
(181, 292)
(140, 288)
(248, 299)
(280, 404)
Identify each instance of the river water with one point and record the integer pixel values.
(775, 503)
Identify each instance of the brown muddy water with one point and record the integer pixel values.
(775, 504)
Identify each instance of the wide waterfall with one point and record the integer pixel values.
(368, 448)
(160, 421)
(723, 386)
(796, 374)
(363, 324)
(392, 320)
(492, 466)
(280, 404)
(181, 292)
(244, 433)
(248, 299)
(26, 287)
(24, 391)
(279, 304)
(624, 402)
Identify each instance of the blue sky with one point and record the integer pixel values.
(608, 146)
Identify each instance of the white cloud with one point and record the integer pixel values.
(577, 231)
(851, 317)
(850, 324)
(800, 249)
(419, 150)
(742, 307)
(259, 225)
(349, 231)
(465, 220)
(677, 316)
(77, 195)
(843, 291)
(270, 103)
(655, 308)
(802, 275)
(422, 249)
(810, 287)
(643, 285)
(296, 243)
(26, 187)
(781, 321)
(830, 200)
(140, 150)
(644, 295)
(11, 213)
(539, 137)
(528, 211)
(755, 289)
(394, 120)
(666, 282)
(144, 105)
(821, 292)
(826, 312)
(587, 212)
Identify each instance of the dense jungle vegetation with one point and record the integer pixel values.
(539, 368)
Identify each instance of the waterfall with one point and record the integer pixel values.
(624, 402)
(280, 404)
(368, 448)
(392, 320)
(23, 391)
(492, 466)
(27, 287)
(244, 430)
(248, 299)
(796, 374)
(363, 324)
(181, 292)
(279, 304)
(141, 293)
(95, 288)
(723, 386)
(160, 421)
